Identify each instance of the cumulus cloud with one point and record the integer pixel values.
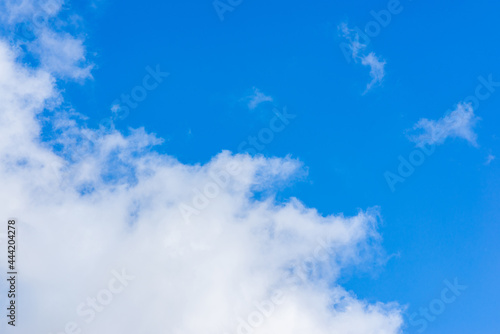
(357, 51)
(105, 247)
(257, 98)
(459, 123)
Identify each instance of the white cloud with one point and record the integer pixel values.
(115, 107)
(457, 124)
(257, 98)
(376, 69)
(62, 54)
(357, 52)
(489, 159)
(41, 30)
(17, 11)
(355, 46)
(105, 201)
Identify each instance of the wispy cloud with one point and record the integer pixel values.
(43, 33)
(358, 54)
(376, 69)
(354, 45)
(489, 159)
(62, 54)
(257, 98)
(457, 124)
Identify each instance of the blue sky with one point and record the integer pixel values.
(439, 225)
(442, 222)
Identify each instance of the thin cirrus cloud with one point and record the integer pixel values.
(256, 98)
(105, 202)
(358, 54)
(458, 123)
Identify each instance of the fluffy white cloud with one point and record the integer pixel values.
(104, 245)
(457, 124)
(34, 13)
(358, 54)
